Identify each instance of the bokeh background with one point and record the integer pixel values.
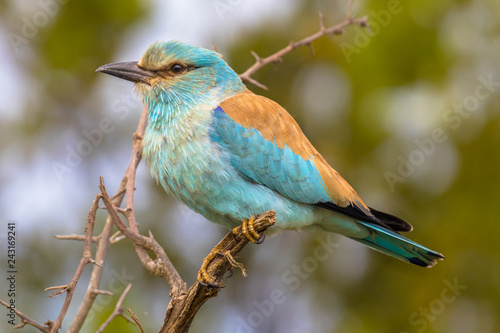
(408, 113)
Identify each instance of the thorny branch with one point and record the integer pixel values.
(184, 304)
(105, 236)
(161, 265)
(277, 57)
(181, 310)
(25, 320)
(86, 258)
(118, 310)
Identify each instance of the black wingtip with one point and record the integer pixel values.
(394, 222)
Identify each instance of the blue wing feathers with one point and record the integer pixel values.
(289, 174)
(264, 162)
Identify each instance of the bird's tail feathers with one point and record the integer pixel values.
(393, 244)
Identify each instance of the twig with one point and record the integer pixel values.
(86, 258)
(277, 56)
(70, 287)
(95, 239)
(134, 317)
(104, 242)
(161, 266)
(25, 320)
(117, 311)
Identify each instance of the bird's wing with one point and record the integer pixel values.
(268, 147)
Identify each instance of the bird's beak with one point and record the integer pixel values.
(128, 70)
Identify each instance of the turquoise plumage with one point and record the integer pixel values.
(230, 154)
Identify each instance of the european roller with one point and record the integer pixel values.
(230, 154)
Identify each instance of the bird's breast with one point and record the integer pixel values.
(187, 163)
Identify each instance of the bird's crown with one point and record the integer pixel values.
(160, 55)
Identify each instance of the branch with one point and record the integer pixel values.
(86, 258)
(183, 305)
(95, 239)
(181, 311)
(70, 287)
(161, 266)
(276, 57)
(25, 320)
(118, 310)
(104, 241)
(134, 317)
(117, 236)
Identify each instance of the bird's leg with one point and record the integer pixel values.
(248, 230)
(203, 277)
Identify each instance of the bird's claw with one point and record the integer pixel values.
(210, 285)
(261, 239)
(248, 230)
(203, 277)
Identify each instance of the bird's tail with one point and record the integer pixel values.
(393, 244)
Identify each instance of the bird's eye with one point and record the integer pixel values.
(177, 68)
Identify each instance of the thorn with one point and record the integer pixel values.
(20, 325)
(365, 25)
(103, 292)
(96, 263)
(276, 62)
(336, 32)
(56, 287)
(214, 47)
(254, 82)
(311, 49)
(348, 10)
(321, 21)
(256, 56)
(124, 211)
(117, 239)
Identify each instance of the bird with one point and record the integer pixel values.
(230, 154)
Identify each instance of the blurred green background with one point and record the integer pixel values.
(407, 113)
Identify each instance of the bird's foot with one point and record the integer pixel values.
(248, 230)
(203, 277)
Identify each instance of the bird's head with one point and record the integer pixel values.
(176, 72)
